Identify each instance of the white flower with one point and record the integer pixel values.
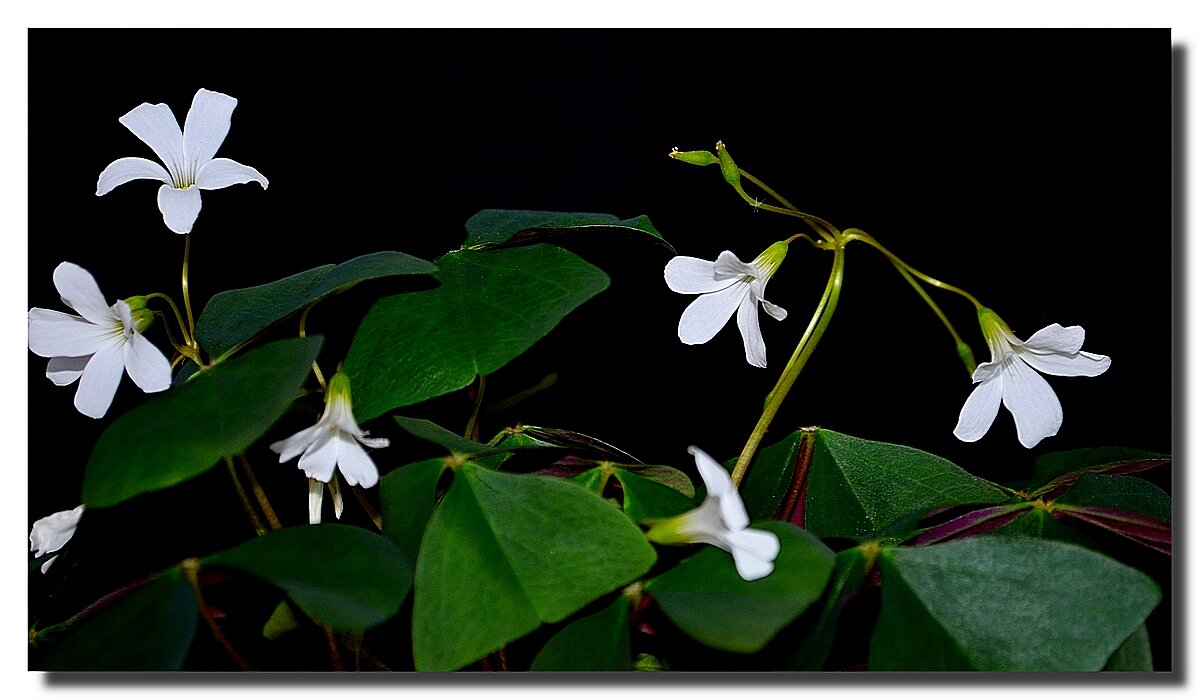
(726, 285)
(722, 522)
(332, 442)
(98, 346)
(1010, 376)
(188, 156)
(53, 532)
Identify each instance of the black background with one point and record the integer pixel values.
(1030, 168)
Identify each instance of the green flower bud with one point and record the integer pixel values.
(693, 157)
(729, 169)
(967, 357)
(142, 316)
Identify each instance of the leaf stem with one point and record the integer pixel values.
(191, 571)
(476, 393)
(187, 301)
(241, 492)
(259, 494)
(315, 367)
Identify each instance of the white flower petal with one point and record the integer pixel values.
(747, 321)
(206, 127)
(702, 524)
(776, 312)
(716, 480)
(316, 496)
(179, 207)
(100, 379)
(293, 446)
(125, 170)
(979, 412)
(64, 370)
(1057, 339)
(355, 464)
(147, 366)
(709, 313)
(986, 370)
(320, 459)
(51, 533)
(754, 552)
(46, 564)
(56, 334)
(1033, 403)
(373, 442)
(79, 291)
(335, 490)
(729, 266)
(693, 276)
(1081, 364)
(157, 127)
(222, 172)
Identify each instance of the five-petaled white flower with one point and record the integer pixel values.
(726, 285)
(722, 522)
(97, 346)
(188, 156)
(1010, 377)
(332, 442)
(52, 533)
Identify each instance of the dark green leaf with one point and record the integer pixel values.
(645, 499)
(507, 552)
(346, 577)
(233, 317)
(1120, 492)
(856, 486)
(1041, 524)
(494, 227)
(149, 629)
(1005, 604)
(406, 501)
(598, 642)
(593, 480)
(490, 307)
(667, 476)
(428, 430)
(1052, 465)
(186, 430)
(849, 572)
(1134, 654)
(706, 598)
(769, 479)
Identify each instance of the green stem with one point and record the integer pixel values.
(187, 300)
(187, 339)
(472, 431)
(808, 343)
(241, 492)
(854, 234)
(315, 367)
(823, 228)
(259, 494)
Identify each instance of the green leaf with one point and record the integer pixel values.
(1005, 604)
(494, 227)
(184, 431)
(1040, 524)
(428, 430)
(507, 552)
(1120, 492)
(1134, 654)
(149, 629)
(849, 572)
(233, 317)
(857, 487)
(769, 477)
(406, 501)
(667, 476)
(706, 598)
(645, 499)
(345, 577)
(490, 307)
(1052, 465)
(598, 642)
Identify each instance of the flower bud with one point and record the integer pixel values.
(142, 316)
(693, 157)
(729, 169)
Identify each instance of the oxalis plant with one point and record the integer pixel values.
(539, 547)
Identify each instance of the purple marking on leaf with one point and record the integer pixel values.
(974, 523)
(1152, 532)
(1056, 487)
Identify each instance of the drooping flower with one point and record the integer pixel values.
(1010, 377)
(97, 346)
(722, 522)
(334, 442)
(52, 533)
(726, 285)
(187, 155)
